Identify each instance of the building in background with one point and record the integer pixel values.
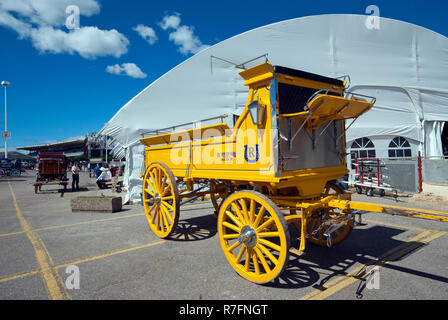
(92, 146)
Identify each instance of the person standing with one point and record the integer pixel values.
(97, 170)
(75, 177)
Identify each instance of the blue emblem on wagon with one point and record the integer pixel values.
(251, 154)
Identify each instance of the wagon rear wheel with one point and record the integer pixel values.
(218, 193)
(254, 236)
(316, 226)
(161, 199)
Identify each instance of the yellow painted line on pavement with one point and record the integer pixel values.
(19, 275)
(85, 222)
(54, 285)
(83, 260)
(109, 254)
(342, 282)
(73, 224)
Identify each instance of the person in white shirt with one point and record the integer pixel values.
(104, 177)
(75, 177)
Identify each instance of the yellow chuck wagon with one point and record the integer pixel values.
(276, 167)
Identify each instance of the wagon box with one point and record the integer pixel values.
(51, 164)
(51, 169)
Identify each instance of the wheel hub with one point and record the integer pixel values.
(248, 236)
(157, 199)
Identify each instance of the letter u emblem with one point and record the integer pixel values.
(251, 155)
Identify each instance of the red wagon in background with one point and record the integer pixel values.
(51, 169)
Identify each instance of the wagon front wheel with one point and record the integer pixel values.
(254, 236)
(161, 199)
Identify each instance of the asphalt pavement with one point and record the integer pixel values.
(49, 252)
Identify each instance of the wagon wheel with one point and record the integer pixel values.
(314, 230)
(218, 193)
(161, 199)
(14, 173)
(254, 236)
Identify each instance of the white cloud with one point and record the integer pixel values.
(172, 22)
(186, 40)
(182, 35)
(129, 69)
(41, 20)
(48, 12)
(146, 33)
(88, 42)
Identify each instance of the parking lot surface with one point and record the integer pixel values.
(116, 256)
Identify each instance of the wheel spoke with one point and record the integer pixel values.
(151, 185)
(267, 253)
(313, 224)
(149, 212)
(248, 256)
(166, 204)
(263, 260)
(270, 244)
(154, 182)
(266, 224)
(167, 213)
(230, 236)
(160, 174)
(164, 182)
(156, 178)
(231, 226)
(156, 218)
(234, 246)
(255, 262)
(150, 192)
(245, 214)
(165, 189)
(259, 217)
(240, 254)
(238, 212)
(252, 211)
(268, 234)
(320, 233)
(164, 224)
(234, 219)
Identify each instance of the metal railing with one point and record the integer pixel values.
(171, 129)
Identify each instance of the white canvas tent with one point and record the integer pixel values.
(405, 66)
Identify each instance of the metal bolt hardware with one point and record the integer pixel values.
(158, 199)
(248, 236)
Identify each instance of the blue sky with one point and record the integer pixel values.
(63, 85)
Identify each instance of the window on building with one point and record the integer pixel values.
(362, 148)
(399, 147)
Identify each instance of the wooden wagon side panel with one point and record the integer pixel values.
(51, 167)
